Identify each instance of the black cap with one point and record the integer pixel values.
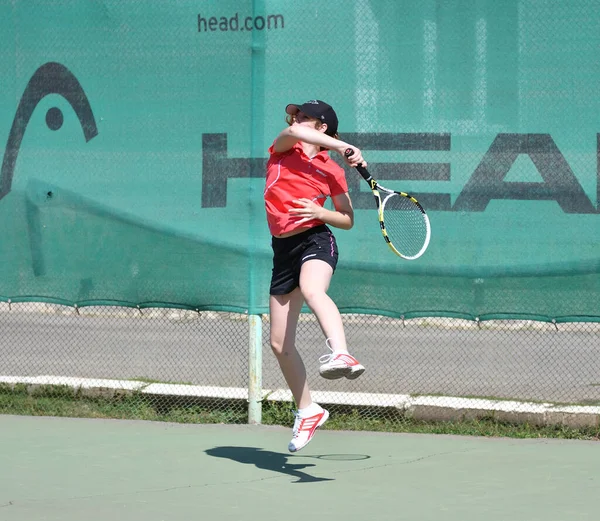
(317, 109)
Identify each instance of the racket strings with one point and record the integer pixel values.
(405, 224)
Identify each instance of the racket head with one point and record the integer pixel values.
(405, 225)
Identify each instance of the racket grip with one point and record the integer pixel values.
(361, 169)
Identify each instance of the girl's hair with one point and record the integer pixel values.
(290, 118)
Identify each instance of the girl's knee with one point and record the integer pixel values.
(276, 347)
(313, 295)
(279, 348)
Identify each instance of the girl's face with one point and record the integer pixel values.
(302, 119)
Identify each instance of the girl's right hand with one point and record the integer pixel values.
(355, 159)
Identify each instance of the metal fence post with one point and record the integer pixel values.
(257, 148)
(255, 370)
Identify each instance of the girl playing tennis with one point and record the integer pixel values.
(300, 177)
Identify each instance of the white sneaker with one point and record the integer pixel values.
(339, 365)
(304, 429)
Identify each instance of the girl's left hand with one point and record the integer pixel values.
(306, 210)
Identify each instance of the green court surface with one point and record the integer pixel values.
(80, 469)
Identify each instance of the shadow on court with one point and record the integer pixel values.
(266, 460)
(278, 462)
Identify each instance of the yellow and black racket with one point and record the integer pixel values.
(403, 221)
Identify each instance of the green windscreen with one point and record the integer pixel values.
(136, 137)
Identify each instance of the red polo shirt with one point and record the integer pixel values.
(293, 175)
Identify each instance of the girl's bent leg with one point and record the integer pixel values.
(315, 277)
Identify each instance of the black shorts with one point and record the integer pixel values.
(291, 252)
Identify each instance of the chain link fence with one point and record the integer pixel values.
(193, 366)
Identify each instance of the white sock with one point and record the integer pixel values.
(311, 410)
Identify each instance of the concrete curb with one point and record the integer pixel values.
(425, 408)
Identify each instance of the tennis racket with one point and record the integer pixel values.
(403, 221)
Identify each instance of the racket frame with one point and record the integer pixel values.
(376, 188)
